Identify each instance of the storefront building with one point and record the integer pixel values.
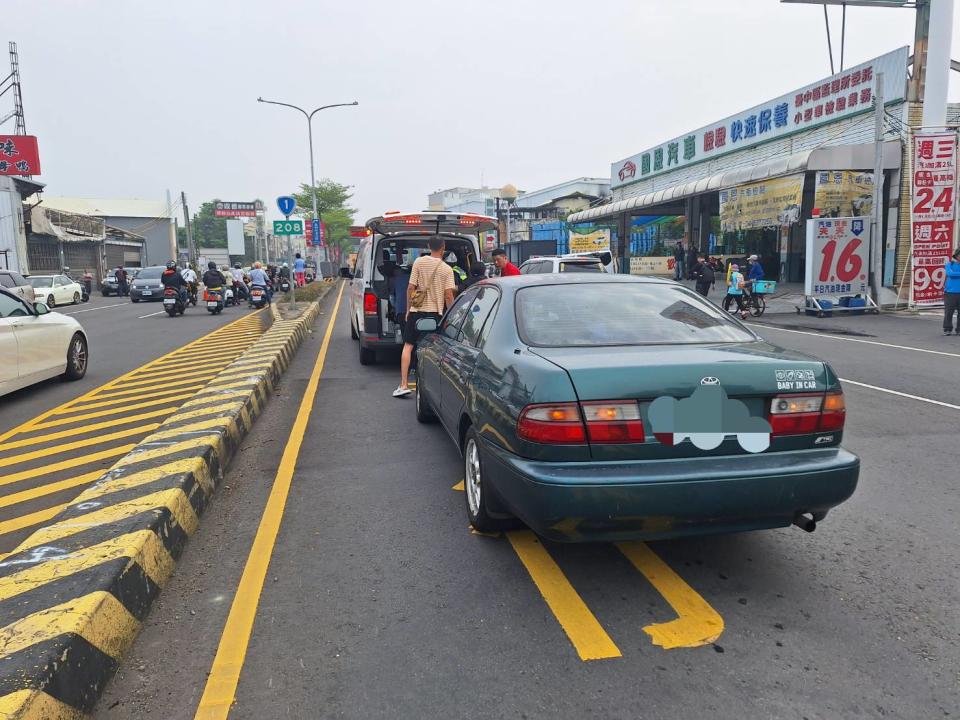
(747, 184)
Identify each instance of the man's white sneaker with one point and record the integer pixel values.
(401, 392)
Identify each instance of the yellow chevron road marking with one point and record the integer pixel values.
(25, 521)
(123, 420)
(86, 442)
(49, 488)
(66, 464)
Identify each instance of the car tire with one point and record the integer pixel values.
(76, 358)
(76, 298)
(353, 332)
(136, 300)
(105, 293)
(51, 301)
(475, 495)
(367, 356)
(425, 413)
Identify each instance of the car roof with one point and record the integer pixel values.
(520, 281)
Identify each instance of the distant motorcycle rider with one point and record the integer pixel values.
(239, 286)
(171, 278)
(213, 279)
(190, 278)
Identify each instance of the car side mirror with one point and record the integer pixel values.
(427, 325)
(345, 273)
(41, 308)
(606, 257)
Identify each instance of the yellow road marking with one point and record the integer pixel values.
(134, 391)
(222, 681)
(584, 630)
(95, 391)
(111, 403)
(159, 382)
(177, 368)
(49, 488)
(458, 486)
(86, 442)
(142, 477)
(123, 420)
(25, 521)
(696, 624)
(104, 413)
(66, 464)
(99, 618)
(194, 443)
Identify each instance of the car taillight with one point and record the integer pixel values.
(573, 424)
(369, 303)
(613, 422)
(805, 414)
(559, 424)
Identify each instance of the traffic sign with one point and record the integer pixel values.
(288, 227)
(286, 203)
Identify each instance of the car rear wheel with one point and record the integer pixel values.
(353, 332)
(76, 298)
(475, 492)
(76, 358)
(367, 356)
(425, 413)
(51, 301)
(136, 300)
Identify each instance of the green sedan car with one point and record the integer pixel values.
(610, 407)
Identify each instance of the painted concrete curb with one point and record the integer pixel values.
(74, 594)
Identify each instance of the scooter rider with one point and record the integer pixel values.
(213, 279)
(239, 286)
(172, 278)
(190, 278)
(259, 277)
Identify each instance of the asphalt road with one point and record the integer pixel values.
(380, 603)
(58, 437)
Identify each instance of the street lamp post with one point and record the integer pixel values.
(313, 181)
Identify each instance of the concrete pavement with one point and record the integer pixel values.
(380, 603)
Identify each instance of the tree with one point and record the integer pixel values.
(337, 215)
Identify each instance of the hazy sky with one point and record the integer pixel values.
(130, 98)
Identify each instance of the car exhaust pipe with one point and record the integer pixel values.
(805, 522)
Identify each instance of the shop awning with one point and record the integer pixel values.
(835, 157)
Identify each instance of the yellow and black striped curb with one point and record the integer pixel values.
(74, 594)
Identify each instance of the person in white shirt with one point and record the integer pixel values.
(190, 278)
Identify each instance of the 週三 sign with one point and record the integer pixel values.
(288, 227)
(837, 256)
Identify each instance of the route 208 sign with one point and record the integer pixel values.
(837, 256)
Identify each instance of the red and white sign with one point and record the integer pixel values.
(308, 229)
(838, 251)
(237, 209)
(19, 155)
(932, 212)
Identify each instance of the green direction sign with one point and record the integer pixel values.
(288, 227)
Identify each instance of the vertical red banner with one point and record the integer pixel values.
(932, 212)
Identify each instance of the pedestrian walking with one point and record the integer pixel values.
(704, 274)
(692, 258)
(951, 294)
(678, 256)
(300, 270)
(429, 293)
(121, 275)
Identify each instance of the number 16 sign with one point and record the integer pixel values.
(837, 256)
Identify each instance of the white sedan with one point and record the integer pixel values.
(40, 343)
(53, 290)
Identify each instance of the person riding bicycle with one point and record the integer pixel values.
(735, 290)
(171, 278)
(754, 273)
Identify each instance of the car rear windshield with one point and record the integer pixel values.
(150, 272)
(597, 314)
(40, 281)
(581, 267)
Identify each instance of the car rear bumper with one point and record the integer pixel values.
(375, 341)
(648, 500)
(138, 294)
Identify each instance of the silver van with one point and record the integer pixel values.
(384, 261)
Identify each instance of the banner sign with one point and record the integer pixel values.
(847, 93)
(843, 193)
(768, 203)
(316, 233)
(19, 155)
(652, 266)
(932, 212)
(237, 209)
(235, 244)
(589, 241)
(838, 251)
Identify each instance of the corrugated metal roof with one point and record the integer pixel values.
(836, 157)
(110, 207)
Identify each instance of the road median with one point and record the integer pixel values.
(73, 595)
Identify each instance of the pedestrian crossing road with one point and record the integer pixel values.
(48, 460)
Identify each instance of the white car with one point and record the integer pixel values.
(589, 262)
(16, 284)
(53, 290)
(40, 343)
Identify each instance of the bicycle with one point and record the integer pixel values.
(753, 303)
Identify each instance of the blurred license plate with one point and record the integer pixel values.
(169, 301)
(147, 292)
(212, 303)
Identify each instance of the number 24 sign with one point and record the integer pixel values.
(838, 257)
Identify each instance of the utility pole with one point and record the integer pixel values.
(876, 221)
(191, 250)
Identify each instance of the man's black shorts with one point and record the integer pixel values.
(409, 326)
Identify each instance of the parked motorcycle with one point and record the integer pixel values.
(215, 301)
(258, 296)
(173, 302)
